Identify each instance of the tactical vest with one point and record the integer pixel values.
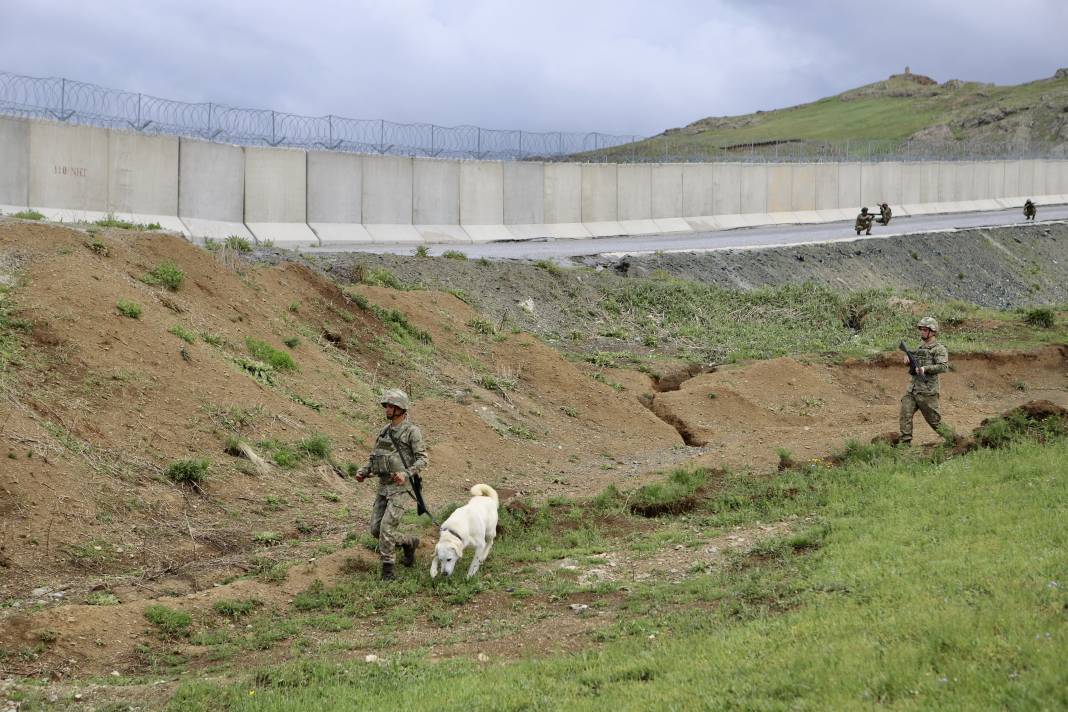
(385, 460)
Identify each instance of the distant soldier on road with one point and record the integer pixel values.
(1030, 211)
(884, 214)
(399, 453)
(864, 221)
(931, 359)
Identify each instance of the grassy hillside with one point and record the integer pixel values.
(903, 107)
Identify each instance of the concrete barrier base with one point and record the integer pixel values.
(289, 235)
(638, 227)
(341, 234)
(666, 225)
(610, 228)
(488, 233)
(394, 234)
(11, 209)
(167, 222)
(704, 223)
(567, 231)
(72, 216)
(529, 232)
(199, 229)
(443, 234)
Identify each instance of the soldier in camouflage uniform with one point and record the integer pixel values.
(932, 358)
(864, 221)
(1029, 210)
(884, 214)
(400, 442)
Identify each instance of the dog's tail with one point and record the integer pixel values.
(484, 491)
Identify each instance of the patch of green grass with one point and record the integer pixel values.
(549, 266)
(30, 214)
(482, 326)
(169, 622)
(292, 341)
(421, 251)
(166, 274)
(317, 446)
(191, 472)
(183, 333)
(454, 255)
(921, 585)
(381, 277)
(676, 494)
(1041, 317)
(262, 351)
(238, 244)
(400, 329)
(128, 309)
(236, 609)
(112, 221)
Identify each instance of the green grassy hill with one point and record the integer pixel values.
(905, 107)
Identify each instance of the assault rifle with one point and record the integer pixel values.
(913, 366)
(416, 492)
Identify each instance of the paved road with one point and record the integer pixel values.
(775, 235)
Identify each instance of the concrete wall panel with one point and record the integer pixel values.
(563, 193)
(980, 189)
(1038, 178)
(481, 193)
(335, 188)
(849, 177)
(698, 180)
(600, 192)
(947, 182)
(963, 181)
(68, 169)
(211, 182)
(803, 188)
(14, 164)
(435, 192)
(667, 190)
(880, 182)
(1027, 179)
(754, 188)
(524, 193)
(997, 179)
(1012, 179)
(276, 185)
(779, 187)
(727, 188)
(635, 191)
(143, 174)
(826, 185)
(387, 191)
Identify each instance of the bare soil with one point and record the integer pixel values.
(95, 406)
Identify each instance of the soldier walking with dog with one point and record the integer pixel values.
(399, 454)
(929, 360)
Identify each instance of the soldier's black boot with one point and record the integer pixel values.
(388, 574)
(409, 548)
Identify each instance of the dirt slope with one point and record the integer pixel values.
(97, 405)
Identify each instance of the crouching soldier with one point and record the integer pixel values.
(399, 453)
(930, 359)
(864, 221)
(884, 214)
(1030, 211)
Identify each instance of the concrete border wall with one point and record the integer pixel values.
(68, 171)
(211, 189)
(297, 199)
(14, 165)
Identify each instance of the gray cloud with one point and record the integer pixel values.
(620, 67)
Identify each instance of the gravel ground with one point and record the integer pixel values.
(999, 267)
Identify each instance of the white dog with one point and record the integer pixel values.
(474, 524)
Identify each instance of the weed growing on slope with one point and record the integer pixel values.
(278, 360)
(187, 471)
(30, 214)
(166, 274)
(454, 255)
(238, 244)
(112, 221)
(183, 333)
(169, 623)
(400, 328)
(1041, 317)
(128, 309)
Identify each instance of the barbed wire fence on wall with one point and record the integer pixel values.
(77, 102)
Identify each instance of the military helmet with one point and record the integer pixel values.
(863, 210)
(397, 397)
(929, 322)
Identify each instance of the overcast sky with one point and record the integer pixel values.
(616, 67)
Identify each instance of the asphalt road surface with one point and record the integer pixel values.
(743, 238)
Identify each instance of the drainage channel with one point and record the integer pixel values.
(672, 382)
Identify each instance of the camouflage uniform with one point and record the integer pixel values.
(863, 221)
(922, 393)
(884, 214)
(392, 499)
(1030, 210)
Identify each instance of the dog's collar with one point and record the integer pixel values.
(450, 531)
